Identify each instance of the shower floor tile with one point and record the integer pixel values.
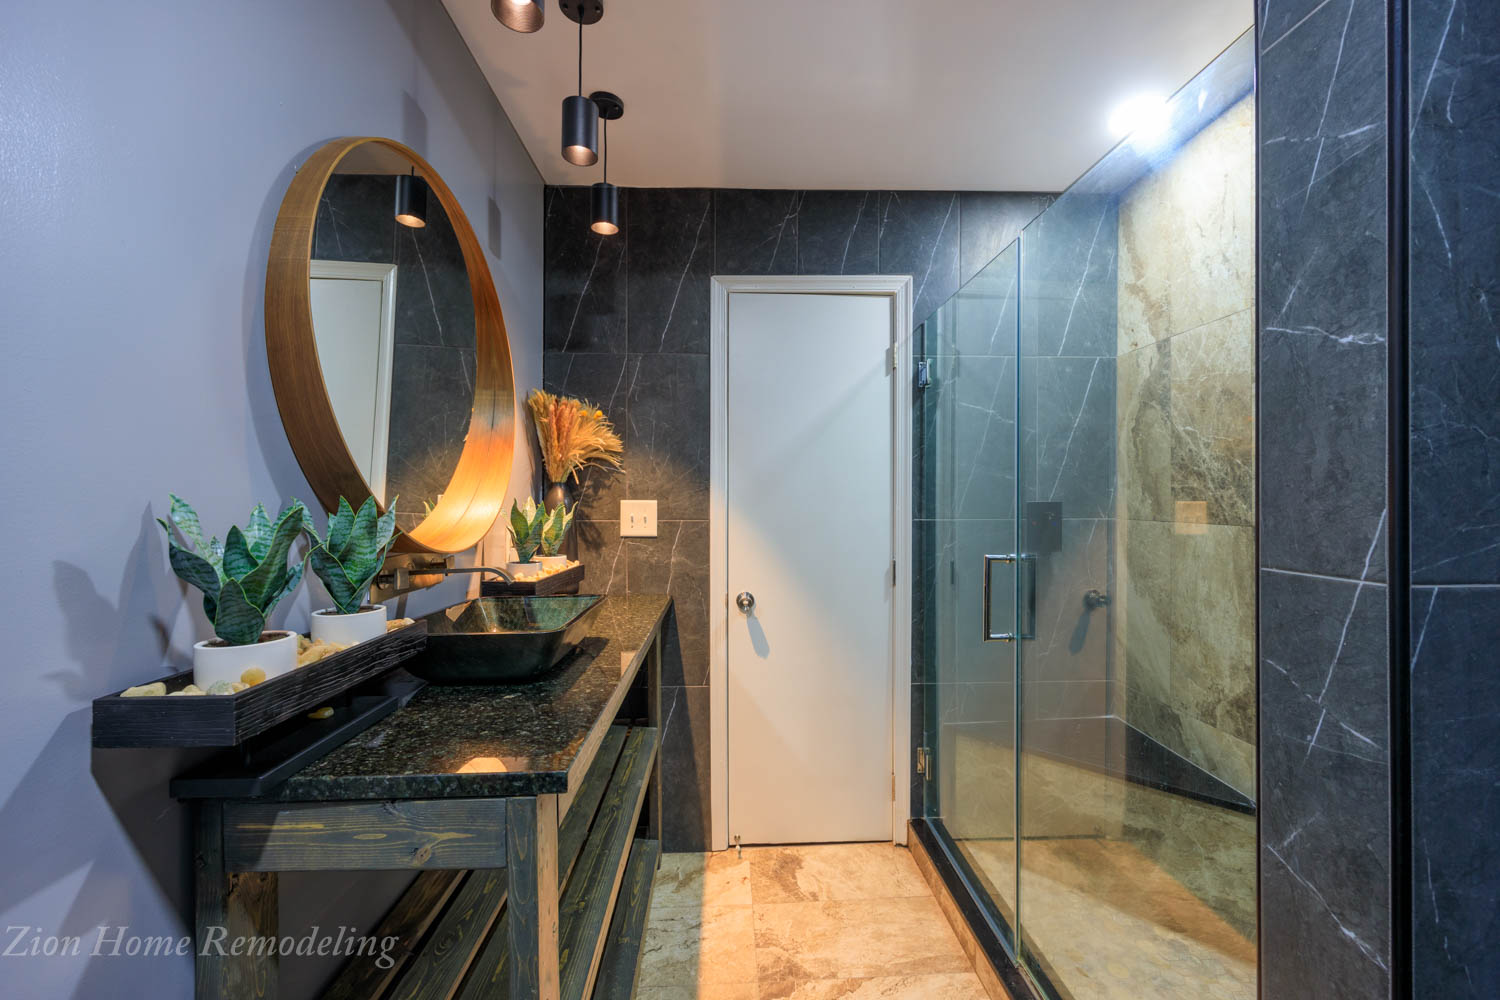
(819, 922)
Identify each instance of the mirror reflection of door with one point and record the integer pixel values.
(354, 312)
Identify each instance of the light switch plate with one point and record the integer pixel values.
(637, 518)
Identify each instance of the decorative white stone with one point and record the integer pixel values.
(213, 663)
(346, 630)
(520, 569)
(552, 564)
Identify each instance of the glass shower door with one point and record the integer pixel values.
(966, 469)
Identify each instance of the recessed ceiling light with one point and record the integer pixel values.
(1143, 117)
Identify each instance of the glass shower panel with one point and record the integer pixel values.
(1135, 677)
(965, 510)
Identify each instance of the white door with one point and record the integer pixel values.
(809, 518)
(353, 311)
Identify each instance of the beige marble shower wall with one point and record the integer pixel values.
(1185, 562)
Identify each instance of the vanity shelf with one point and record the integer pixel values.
(453, 926)
(565, 582)
(225, 720)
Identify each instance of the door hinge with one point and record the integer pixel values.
(890, 358)
(893, 572)
(924, 762)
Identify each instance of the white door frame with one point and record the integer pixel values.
(898, 289)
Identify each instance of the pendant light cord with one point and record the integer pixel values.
(580, 57)
(605, 143)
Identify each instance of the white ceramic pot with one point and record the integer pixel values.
(366, 623)
(552, 563)
(213, 661)
(517, 569)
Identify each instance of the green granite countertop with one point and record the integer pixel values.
(476, 741)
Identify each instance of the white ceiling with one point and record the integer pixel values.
(1004, 95)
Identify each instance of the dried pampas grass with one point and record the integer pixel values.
(573, 433)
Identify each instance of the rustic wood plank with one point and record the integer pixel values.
(436, 971)
(230, 719)
(590, 895)
(531, 835)
(574, 828)
(489, 974)
(564, 582)
(408, 922)
(653, 718)
(230, 906)
(627, 928)
(364, 836)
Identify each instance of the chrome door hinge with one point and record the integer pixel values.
(893, 572)
(924, 762)
(890, 358)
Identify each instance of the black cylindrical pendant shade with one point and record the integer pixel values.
(411, 200)
(580, 131)
(606, 199)
(519, 15)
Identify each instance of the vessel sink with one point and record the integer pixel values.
(502, 640)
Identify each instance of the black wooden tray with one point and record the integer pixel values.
(225, 720)
(565, 582)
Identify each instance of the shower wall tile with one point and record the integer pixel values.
(1455, 292)
(1070, 404)
(605, 381)
(982, 319)
(583, 280)
(1455, 770)
(671, 257)
(1069, 282)
(1145, 427)
(968, 429)
(1071, 641)
(1212, 628)
(1187, 247)
(1212, 376)
(919, 236)
(1323, 292)
(1325, 795)
(838, 232)
(989, 221)
(953, 626)
(755, 232)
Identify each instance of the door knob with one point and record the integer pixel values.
(745, 602)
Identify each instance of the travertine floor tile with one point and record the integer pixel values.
(706, 991)
(856, 939)
(828, 872)
(691, 946)
(950, 986)
(702, 880)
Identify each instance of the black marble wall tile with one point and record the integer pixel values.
(675, 562)
(434, 303)
(1455, 735)
(671, 258)
(606, 564)
(1323, 291)
(988, 221)
(604, 380)
(919, 236)
(1325, 788)
(684, 762)
(1068, 406)
(1455, 291)
(1069, 281)
(356, 219)
(838, 232)
(432, 393)
(584, 288)
(755, 232)
(666, 435)
(967, 427)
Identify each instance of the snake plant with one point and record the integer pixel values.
(352, 554)
(243, 577)
(555, 527)
(526, 524)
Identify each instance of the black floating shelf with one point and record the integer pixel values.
(565, 582)
(226, 720)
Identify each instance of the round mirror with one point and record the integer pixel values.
(387, 346)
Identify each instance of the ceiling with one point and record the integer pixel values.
(1001, 95)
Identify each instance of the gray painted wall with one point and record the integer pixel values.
(144, 151)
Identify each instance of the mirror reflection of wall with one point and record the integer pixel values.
(393, 316)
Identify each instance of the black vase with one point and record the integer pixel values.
(557, 493)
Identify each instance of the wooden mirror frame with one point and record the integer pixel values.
(476, 493)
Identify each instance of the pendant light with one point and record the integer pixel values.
(605, 197)
(580, 116)
(524, 16)
(411, 200)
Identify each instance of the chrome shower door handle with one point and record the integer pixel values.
(989, 635)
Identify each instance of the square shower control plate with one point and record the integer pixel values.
(637, 518)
